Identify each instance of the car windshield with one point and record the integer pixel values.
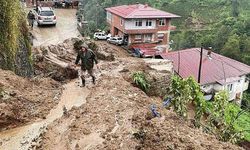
(47, 13)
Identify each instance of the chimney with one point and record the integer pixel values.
(137, 4)
(146, 5)
(209, 52)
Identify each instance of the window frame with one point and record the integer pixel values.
(138, 23)
(109, 16)
(162, 22)
(121, 21)
(230, 87)
(149, 23)
(159, 37)
(138, 39)
(146, 36)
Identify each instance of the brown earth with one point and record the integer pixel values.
(117, 115)
(25, 100)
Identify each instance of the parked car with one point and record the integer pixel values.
(145, 52)
(108, 36)
(115, 40)
(45, 16)
(100, 36)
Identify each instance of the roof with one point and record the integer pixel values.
(139, 11)
(216, 68)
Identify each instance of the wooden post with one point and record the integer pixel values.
(199, 73)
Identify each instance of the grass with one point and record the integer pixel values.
(242, 123)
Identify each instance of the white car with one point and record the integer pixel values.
(100, 36)
(45, 16)
(115, 40)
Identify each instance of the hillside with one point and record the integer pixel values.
(113, 114)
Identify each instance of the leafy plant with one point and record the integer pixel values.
(140, 80)
(222, 118)
(185, 91)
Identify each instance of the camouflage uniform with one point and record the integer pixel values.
(87, 58)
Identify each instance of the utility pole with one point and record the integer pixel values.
(199, 73)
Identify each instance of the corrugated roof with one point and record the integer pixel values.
(139, 11)
(217, 68)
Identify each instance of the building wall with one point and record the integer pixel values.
(116, 28)
(130, 24)
(160, 34)
(238, 87)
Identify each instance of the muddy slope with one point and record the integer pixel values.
(117, 115)
(24, 100)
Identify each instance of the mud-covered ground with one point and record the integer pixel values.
(25, 100)
(117, 115)
(65, 28)
(113, 114)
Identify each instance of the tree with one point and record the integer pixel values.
(15, 51)
(232, 47)
(235, 8)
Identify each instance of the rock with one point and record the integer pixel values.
(13, 93)
(38, 58)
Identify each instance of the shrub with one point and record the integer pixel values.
(140, 80)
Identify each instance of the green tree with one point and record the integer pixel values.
(232, 47)
(15, 51)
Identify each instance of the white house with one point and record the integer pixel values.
(217, 72)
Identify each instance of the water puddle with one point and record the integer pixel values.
(21, 138)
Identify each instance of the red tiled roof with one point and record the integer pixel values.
(139, 11)
(218, 68)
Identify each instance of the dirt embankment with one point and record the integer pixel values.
(118, 115)
(24, 100)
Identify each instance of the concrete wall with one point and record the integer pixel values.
(238, 87)
(130, 25)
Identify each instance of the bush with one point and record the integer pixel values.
(140, 80)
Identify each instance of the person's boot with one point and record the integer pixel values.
(93, 79)
(83, 82)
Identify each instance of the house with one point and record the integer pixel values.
(217, 72)
(140, 24)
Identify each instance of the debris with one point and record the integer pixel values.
(154, 111)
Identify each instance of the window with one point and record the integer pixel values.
(162, 22)
(109, 16)
(160, 36)
(148, 37)
(138, 37)
(230, 87)
(47, 13)
(121, 21)
(149, 23)
(138, 23)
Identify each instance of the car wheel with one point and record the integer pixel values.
(38, 24)
(55, 24)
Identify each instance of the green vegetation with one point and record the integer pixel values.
(246, 101)
(140, 80)
(227, 121)
(14, 41)
(185, 91)
(241, 122)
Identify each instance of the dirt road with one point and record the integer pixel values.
(65, 28)
(22, 137)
